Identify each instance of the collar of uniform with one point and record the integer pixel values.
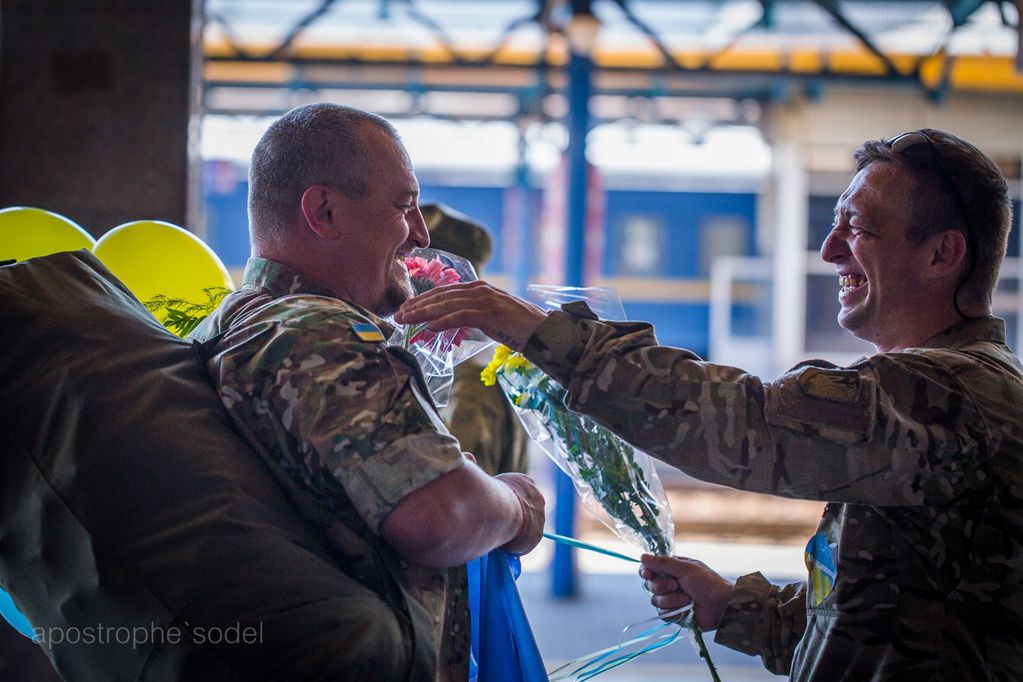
(969, 331)
(278, 279)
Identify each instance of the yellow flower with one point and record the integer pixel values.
(517, 362)
(489, 374)
(501, 353)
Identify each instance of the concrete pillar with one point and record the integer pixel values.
(96, 101)
(788, 239)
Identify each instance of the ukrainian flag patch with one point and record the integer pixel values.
(820, 562)
(367, 331)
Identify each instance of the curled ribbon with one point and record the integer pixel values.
(658, 636)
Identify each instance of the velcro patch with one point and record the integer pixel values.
(367, 331)
(836, 385)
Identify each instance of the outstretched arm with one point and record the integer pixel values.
(498, 314)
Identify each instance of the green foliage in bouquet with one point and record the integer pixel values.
(182, 316)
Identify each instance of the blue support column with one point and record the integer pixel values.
(579, 72)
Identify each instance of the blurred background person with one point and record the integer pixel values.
(479, 416)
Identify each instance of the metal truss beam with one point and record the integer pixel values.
(673, 78)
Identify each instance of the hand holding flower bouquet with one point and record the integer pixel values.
(438, 352)
(427, 274)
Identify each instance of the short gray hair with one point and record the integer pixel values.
(311, 144)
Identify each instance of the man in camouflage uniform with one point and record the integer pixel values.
(346, 423)
(479, 416)
(916, 572)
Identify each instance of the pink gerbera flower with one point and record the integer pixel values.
(425, 275)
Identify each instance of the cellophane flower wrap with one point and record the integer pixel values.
(617, 483)
(438, 352)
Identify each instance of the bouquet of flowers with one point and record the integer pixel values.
(616, 482)
(438, 352)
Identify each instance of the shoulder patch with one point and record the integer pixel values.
(836, 385)
(367, 331)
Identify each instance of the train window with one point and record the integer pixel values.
(643, 246)
(722, 235)
(820, 215)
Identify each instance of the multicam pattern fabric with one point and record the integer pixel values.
(919, 454)
(348, 422)
(484, 423)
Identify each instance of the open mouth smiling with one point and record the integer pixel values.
(851, 282)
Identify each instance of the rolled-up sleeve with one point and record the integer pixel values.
(353, 411)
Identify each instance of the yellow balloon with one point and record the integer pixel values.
(155, 258)
(27, 232)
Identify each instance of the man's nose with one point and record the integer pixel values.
(418, 233)
(833, 248)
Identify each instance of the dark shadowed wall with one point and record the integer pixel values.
(95, 107)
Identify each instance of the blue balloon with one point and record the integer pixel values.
(15, 617)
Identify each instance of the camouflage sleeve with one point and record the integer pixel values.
(354, 410)
(897, 429)
(764, 620)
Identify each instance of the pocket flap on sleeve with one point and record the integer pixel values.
(834, 404)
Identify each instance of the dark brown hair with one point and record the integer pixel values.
(935, 205)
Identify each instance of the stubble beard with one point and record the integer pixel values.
(399, 289)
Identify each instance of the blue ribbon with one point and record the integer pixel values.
(565, 540)
(590, 665)
(15, 617)
(595, 663)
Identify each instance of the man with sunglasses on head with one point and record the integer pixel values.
(916, 571)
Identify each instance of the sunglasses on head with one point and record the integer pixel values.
(918, 146)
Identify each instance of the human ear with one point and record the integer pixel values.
(947, 251)
(319, 208)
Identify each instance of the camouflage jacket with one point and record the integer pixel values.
(348, 426)
(916, 572)
(484, 423)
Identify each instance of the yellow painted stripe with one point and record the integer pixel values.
(246, 72)
(975, 72)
